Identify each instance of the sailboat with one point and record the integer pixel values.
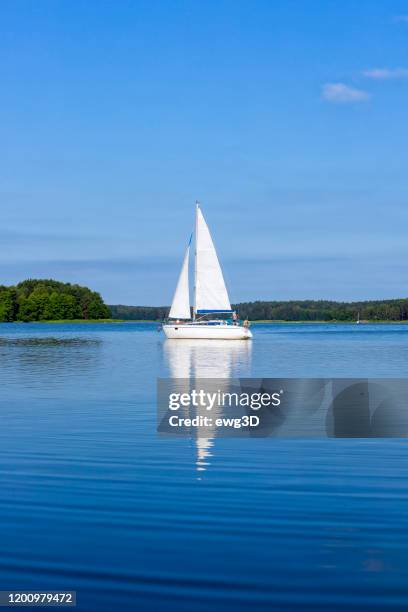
(210, 295)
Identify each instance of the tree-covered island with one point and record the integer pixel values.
(50, 300)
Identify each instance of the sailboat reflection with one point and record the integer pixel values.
(195, 359)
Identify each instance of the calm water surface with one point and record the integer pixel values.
(92, 500)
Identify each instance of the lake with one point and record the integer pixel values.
(92, 500)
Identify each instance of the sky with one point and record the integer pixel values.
(286, 119)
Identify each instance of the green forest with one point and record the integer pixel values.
(322, 310)
(303, 310)
(50, 300)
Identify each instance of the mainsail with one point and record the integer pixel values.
(210, 291)
(180, 307)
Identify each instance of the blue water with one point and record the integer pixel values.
(92, 500)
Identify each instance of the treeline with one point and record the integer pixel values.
(322, 310)
(45, 300)
(303, 310)
(139, 313)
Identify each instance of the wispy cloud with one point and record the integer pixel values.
(383, 74)
(339, 92)
(401, 18)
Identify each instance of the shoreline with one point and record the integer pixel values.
(68, 321)
(365, 322)
(257, 322)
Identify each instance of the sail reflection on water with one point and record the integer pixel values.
(190, 360)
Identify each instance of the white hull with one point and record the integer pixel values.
(189, 331)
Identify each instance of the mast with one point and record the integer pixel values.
(195, 261)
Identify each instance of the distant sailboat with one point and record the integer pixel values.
(358, 318)
(210, 295)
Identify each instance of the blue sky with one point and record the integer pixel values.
(287, 119)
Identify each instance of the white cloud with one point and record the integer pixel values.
(382, 74)
(339, 92)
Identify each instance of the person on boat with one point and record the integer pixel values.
(234, 318)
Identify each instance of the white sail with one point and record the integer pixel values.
(180, 307)
(210, 291)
